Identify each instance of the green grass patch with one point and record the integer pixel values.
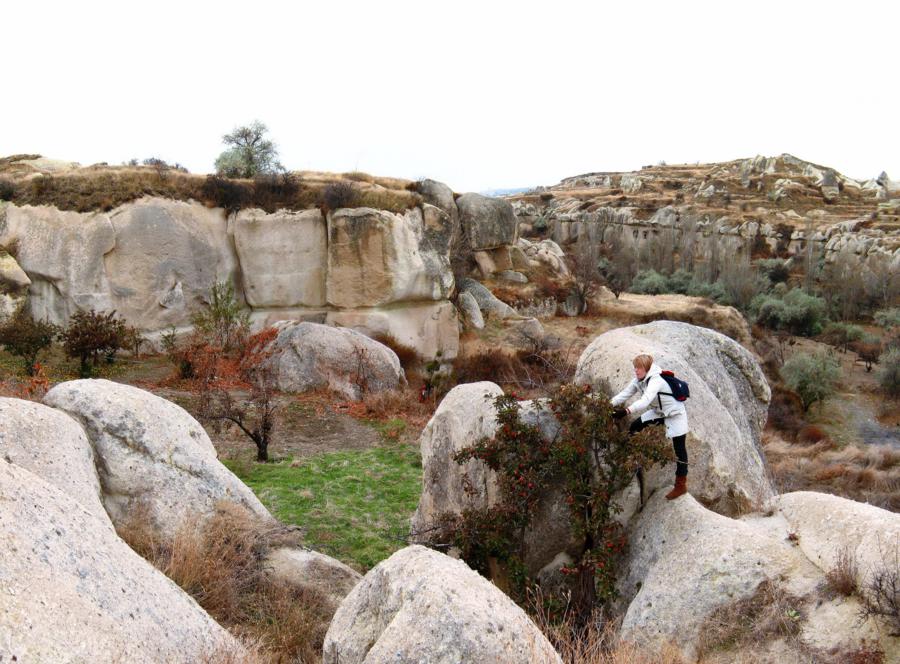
(353, 505)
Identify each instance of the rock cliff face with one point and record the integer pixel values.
(708, 212)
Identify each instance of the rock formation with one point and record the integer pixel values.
(422, 606)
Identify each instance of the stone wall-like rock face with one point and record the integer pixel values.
(283, 257)
(422, 606)
(377, 258)
(155, 260)
(155, 461)
(488, 222)
(74, 592)
(726, 411)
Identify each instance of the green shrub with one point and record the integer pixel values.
(25, 337)
(889, 372)
(813, 377)
(796, 312)
(250, 153)
(91, 336)
(888, 318)
(225, 323)
(650, 282)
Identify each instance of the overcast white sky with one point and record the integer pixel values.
(477, 94)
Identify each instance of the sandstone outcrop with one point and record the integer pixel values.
(304, 567)
(489, 223)
(422, 606)
(309, 356)
(74, 592)
(726, 411)
(154, 460)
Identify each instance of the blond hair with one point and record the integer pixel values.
(643, 361)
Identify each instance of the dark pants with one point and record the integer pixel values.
(678, 442)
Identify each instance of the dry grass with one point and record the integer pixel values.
(769, 614)
(866, 474)
(402, 404)
(598, 641)
(88, 190)
(221, 564)
(841, 578)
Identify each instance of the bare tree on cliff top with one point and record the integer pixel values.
(250, 153)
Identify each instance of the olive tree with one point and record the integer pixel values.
(250, 153)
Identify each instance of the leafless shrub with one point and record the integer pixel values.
(841, 578)
(881, 593)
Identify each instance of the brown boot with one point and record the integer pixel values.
(680, 488)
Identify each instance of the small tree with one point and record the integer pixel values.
(217, 375)
(225, 322)
(869, 350)
(25, 337)
(91, 336)
(585, 266)
(776, 270)
(889, 373)
(842, 335)
(250, 153)
(812, 377)
(591, 457)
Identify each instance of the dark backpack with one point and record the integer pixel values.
(679, 388)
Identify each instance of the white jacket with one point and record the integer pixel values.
(650, 388)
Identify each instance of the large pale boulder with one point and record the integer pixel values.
(685, 561)
(74, 592)
(726, 412)
(377, 257)
(154, 460)
(304, 567)
(62, 254)
(488, 303)
(827, 526)
(12, 277)
(167, 256)
(440, 195)
(422, 606)
(309, 356)
(471, 311)
(53, 446)
(487, 222)
(465, 416)
(428, 328)
(283, 257)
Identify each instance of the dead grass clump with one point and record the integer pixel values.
(785, 412)
(409, 358)
(811, 434)
(359, 176)
(399, 404)
(221, 563)
(523, 369)
(597, 641)
(841, 578)
(770, 613)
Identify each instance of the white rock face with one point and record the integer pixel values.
(465, 415)
(283, 257)
(726, 411)
(422, 606)
(53, 446)
(826, 524)
(377, 257)
(74, 592)
(151, 454)
(163, 246)
(309, 356)
(426, 327)
(62, 254)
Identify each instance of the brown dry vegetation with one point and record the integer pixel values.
(221, 564)
(867, 474)
(92, 189)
